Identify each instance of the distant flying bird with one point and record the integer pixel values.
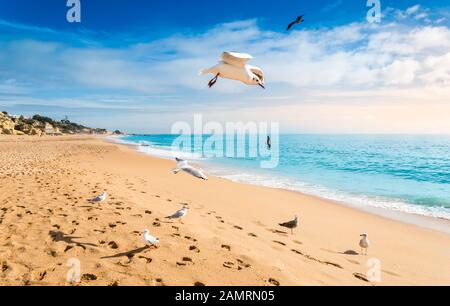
(364, 243)
(297, 21)
(269, 143)
(179, 214)
(99, 198)
(183, 165)
(149, 239)
(291, 224)
(234, 66)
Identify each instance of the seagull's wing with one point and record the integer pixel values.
(176, 215)
(236, 59)
(181, 163)
(96, 199)
(194, 172)
(291, 25)
(289, 224)
(258, 72)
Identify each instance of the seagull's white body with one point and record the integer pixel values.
(364, 243)
(179, 214)
(234, 66)
(149, 239)
(183, 165)
(99, 198)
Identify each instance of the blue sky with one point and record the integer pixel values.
(133, 64)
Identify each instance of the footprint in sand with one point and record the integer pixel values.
(113, 245)
(238, 227)
(273, 282)
(193, 248)
(88, 277)
(147, 259)
(4, 266)
(279, 242)
(199, 284)
(239, 265)
(361, 277)
(227, 247)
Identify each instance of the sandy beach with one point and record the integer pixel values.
(230, 237)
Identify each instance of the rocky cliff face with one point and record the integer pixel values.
(7, 125)
(39, 125)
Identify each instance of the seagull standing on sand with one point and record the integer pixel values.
(99, 198)
(183, 165)
(297, 21)
(364, 243)
(234, 66)
(291, 224)
(179, 214)
(149, 239)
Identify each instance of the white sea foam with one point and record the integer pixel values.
(355, 200)
(162, 152)
(280, 182)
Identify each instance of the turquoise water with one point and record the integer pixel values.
(402, 173)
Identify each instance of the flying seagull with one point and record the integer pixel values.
(179, 214)
(149, 239)
(364, 243)
(291, 224)
(297, 21)
(183, 165)
(234, 66)
(99, 198)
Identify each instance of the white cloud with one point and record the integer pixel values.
(401, 72)
(358, 62)
(412, 10)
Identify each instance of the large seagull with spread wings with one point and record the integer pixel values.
(234, 66)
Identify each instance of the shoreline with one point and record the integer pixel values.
(422, 221)
(230, 236)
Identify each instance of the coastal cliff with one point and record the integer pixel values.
(39, 125)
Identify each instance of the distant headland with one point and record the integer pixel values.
(40, 125)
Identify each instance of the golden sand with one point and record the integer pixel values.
(230, 236)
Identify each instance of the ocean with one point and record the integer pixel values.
(405, 173)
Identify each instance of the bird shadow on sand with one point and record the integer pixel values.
(349, 252)
(60, 236)
(128, 254)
